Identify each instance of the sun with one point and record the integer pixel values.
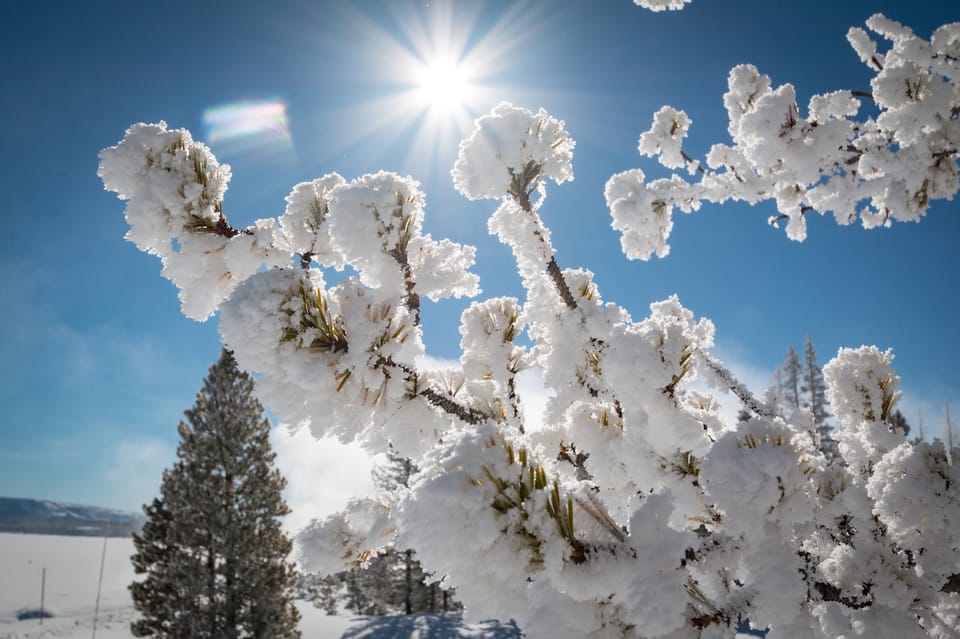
(424, 74)
(443, 84)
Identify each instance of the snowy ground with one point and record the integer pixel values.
(73, 570)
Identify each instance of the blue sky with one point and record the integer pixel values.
(97, 363)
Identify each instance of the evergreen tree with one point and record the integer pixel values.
(327, 594)
(814, 386)
(155, 557)
(773, 397)
(394, 581)
(357, 599)
(324, 591)
(898, 422)
(792, 371)
(393, 476)
(816, 401)
(212, 551)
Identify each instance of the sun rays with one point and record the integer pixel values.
(395, 88)
(415, 80)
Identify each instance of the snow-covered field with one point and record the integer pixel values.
(72, 573)
(73, 570)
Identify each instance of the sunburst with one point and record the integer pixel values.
(444, 84)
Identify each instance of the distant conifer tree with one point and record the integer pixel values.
(816, 391)
(792, 371)
(898, 422)
(395, 476)
(212, 554)
(814, 386)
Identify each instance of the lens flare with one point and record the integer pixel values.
(248, 126)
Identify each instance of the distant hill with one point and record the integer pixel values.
(54, 518)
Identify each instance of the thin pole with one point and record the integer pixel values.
(950, 442)
(103, 558)
(43, 590)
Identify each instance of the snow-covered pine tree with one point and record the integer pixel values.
(816, 401)
(212, 551)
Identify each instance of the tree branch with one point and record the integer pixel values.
(221, 227)
(561, 284)
(447, 405)
(413, 298)
(434, 397)
(690, 160)
(514, 400)
(523, 185)
(737, 388)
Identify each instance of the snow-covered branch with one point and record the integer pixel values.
(662, 5)
(879, 164)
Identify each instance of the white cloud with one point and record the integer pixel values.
(136, 471)
(533, 397)
(322, 474)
